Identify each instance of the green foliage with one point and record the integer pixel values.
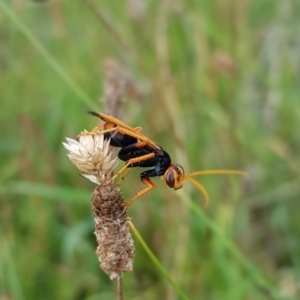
(219, 90)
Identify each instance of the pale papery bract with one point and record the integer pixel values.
(92, 155)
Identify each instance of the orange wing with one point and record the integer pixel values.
(126, 129)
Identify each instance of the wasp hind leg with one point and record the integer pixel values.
(126, 172)
(150, 186)
(96, 131)
(130, 162)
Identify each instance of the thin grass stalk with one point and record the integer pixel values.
(116, 35)
(11, 272)
(157, 263)
(55, 65)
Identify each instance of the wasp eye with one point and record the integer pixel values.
(169, 178)
(178, 169)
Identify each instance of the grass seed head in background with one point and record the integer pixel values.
(97, 160)
(118, 85)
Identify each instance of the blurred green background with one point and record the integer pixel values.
(216, 83)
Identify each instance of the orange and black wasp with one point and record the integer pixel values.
(137, 150)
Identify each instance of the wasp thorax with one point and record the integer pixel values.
(174, 176)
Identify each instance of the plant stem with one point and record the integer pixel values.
(157, 263)
(119, 288)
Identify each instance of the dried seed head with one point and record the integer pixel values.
(97, 160)
(92, 155)
(137, 10)
(115, 245)
(114, 88)
(118, 85)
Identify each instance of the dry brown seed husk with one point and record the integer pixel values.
(115, 244)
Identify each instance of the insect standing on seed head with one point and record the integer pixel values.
(137, 150)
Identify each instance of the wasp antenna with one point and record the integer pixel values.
(201, 188)
(219, 172)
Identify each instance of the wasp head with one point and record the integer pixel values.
(174, 176)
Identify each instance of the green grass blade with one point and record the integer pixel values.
(157, 263)
(47, 55)
(11, 279)
(48, 192)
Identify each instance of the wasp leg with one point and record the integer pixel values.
(150, 186)
(132, 151)
(130, 162)
(96, 132)
(126, 172)
(138, 129)
(99, 129)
